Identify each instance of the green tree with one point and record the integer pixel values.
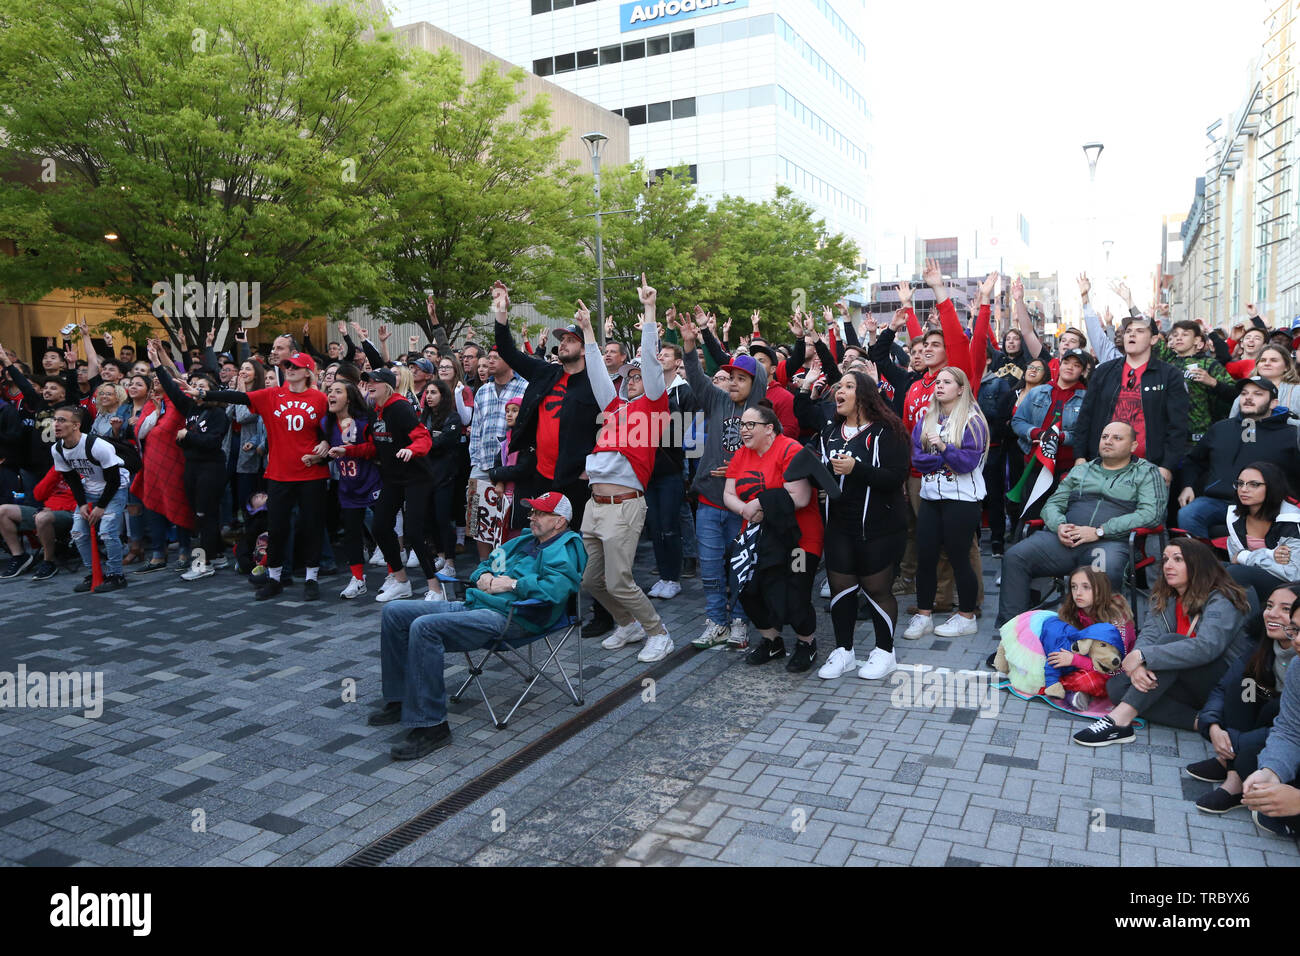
(784, 258)
(232, 142)
(482, 197)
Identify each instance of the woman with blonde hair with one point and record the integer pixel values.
(109, 398)
(949, 444)
(1277, 365)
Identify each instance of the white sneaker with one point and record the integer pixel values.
(826, 592)
(435, 593)
(394, 591)
(656, 649)
(739, 636)
(918, 627)
(670, 589)
(712, 634)
(957, 626)
(220, 564)
(411, 560)
(376, 558)
(389, 581)
(840, 662)
(657, 590)
(879, 664)
(356, 587)
(202, 571)
(630, 633)
(442, 564)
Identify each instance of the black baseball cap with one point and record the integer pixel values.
(1079, 355)
(1259, 381)
(383, 375)
(574, 329)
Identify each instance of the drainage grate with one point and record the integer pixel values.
(427, 820)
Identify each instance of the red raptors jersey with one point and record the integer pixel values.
(292, 422)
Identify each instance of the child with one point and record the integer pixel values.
(509, 467)
(1090, 601)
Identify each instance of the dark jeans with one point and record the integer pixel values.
(158, 526)
(1258, 582)
(205, 481)
(443, 518)
(1176, 699)
(663, 516)
(354, 534)
(1248, 723)
(995, 481)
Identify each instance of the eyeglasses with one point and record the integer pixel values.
(1290, 632)
(1250, 485)
(750, 426)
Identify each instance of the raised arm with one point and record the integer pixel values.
(905, 306)
(1031, 344)
(602, 386)
(1102, 344)
(954, 336)
(92, 357)
(523, 364)
(652, 373)
(981, 334)
(184, 404)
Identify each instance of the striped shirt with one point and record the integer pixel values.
(489, 423)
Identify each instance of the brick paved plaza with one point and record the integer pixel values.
(231, 714)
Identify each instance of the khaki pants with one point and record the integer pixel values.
(610, 534)
(943, 596)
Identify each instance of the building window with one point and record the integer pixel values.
(635, 115)
(684, 108)
(541, 6)
(564, 63)
(611, 54)
(657, 45)
(634, 50)
(588, 58)
(561, 4)
(544, 67)
(684, 40)
(660, 112)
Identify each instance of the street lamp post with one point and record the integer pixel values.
(595, 145)
(1093, 152)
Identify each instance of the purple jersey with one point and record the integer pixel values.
(359, 480)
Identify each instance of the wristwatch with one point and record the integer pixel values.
(1101, 531)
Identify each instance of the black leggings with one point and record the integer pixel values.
(354, 534)
(951, 525)
(870, 567)
(281, 496)
(415, 497)
(442, 501)
(204, 483)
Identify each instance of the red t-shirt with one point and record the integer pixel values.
(632, 430)
(292, 421)
(1128, 405)
(1182, 624)
(1242, 368)
(757, 473)
(548, 427)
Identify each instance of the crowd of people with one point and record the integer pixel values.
(847, 449)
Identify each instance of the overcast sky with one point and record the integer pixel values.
(983, 107)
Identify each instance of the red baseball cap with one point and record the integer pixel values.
(553, 502)
(301, 360)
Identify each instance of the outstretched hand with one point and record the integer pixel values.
(1085, 285)
(501, 301)
(988, 285)
(646, 294)
(583, 316)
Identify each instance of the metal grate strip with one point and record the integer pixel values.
(403, 835)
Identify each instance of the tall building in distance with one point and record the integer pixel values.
(747, 94)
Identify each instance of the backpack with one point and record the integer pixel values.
(997, 401)
(123, 449)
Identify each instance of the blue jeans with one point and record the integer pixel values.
(414, 635)
(109, 530)
(714, 530)
(689, 548)
(663, 516)
(157, 525)
(1196, 517)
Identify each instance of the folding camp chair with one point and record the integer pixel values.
(517, 653)
(1134, 574)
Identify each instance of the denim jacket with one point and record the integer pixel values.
(1033, 409)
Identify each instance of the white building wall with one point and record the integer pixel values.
(775, 89)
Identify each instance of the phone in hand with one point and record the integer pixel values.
(241, 335)
(68, 329)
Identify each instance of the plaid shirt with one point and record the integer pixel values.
(489, 422)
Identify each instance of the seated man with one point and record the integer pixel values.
(50, 522)
(1087, 520)
(546, 564)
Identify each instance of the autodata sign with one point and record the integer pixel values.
(638, 16)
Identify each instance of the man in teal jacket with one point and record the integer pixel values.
(545, 565)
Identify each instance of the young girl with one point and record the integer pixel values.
(345, 424)
(510, 466)
(949, 444)
(1090, 601)
(442, 418)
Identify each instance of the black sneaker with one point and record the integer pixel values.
(805, 652)
(151, 566)
(1211, 771)
(995, 549)
(1103, 733)
(270, 588)
(114, 582)
(765, 649)
(310, 591)
(391, 713)
(84, 585)
(1219, 800)
(17, 565)
(422, 741)
(600, 624)
(1277, 826)
(328, 570)
(45, 570)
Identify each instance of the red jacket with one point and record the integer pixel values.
(161, 484)
(54, 493)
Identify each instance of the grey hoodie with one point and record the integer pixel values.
(722, 428)
(1219, 634)
(1281, 752)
